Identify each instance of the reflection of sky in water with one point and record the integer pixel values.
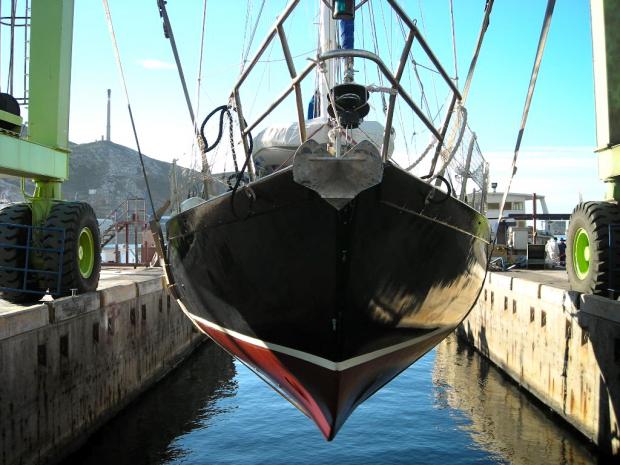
(400, 424)
(448, 408)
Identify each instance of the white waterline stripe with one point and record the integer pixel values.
(320, 361)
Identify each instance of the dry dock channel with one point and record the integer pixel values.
(562, 347)
(68, 366)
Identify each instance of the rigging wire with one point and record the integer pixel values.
(402, 127)
(226, 110)
(488, 7)
(364, 43)
(246, 48)
(390, 46)
(413, 138)
(427, 68)
(413, 127)
(119, 64)
(198, 90)
(317, 80)
(423, 98)
(248, 12)
(14, 22)
(279, 60)
(375, 42)
(9, 83)
(456, 69)
(266, 70)
(528, 100)
(424, 29)
(484, 27)
(205, 169)
(388, 42)
(169, 34)
(251, 39)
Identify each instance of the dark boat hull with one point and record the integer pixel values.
(329, 305)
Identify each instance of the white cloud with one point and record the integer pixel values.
(559, 173)
(155, 64)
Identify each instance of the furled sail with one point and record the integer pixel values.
(275, 146)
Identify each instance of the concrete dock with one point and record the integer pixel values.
(68, 366)
(562, 347)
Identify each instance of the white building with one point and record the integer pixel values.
(518, 232)
(515, 203)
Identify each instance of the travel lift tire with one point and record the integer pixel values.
(81, 263)
(17, 214)
(588, 251)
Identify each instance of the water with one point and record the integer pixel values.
(451, 407)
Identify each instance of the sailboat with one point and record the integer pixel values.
(327, 268)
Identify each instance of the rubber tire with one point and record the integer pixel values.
(594, 218)
(17, 213)
(72, 216)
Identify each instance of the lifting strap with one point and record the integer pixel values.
(117, 55)
(530, 92)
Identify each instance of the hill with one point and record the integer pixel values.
(105, 174)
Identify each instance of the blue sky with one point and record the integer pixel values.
(556, 158)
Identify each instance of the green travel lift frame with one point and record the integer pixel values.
(42, 155)
(593, 246)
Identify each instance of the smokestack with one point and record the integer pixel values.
(108, 125)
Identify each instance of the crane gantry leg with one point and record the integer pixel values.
(593, 246)
(45, 242)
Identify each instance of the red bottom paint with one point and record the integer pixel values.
(326, 396)
(268, 365)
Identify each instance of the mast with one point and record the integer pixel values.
(327, 42)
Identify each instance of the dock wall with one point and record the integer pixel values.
(67, 367)
(562, 347)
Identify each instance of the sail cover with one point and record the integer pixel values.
(347, 33)
(275, 145)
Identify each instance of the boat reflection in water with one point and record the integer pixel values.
(503, 419)
(149, 431)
